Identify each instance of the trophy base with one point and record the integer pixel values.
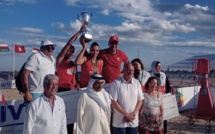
(87, 37)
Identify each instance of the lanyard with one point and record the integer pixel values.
(141, 78)
(95, 68)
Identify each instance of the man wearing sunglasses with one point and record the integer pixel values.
(37, 66)
(112, 58)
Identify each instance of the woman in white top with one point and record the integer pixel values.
(151, 120)
(139, 72)
(163, 82)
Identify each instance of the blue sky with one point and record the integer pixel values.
(165, 30)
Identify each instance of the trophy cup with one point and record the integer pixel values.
(84, 19)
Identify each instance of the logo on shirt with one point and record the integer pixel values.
(70, 71)
(118, 58)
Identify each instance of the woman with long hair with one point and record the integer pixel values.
(139, 73)
(90, 62)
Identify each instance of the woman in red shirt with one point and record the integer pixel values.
(67, 69)
(90, 62)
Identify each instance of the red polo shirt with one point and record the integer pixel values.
(112, 64)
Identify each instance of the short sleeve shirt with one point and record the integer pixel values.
(127, 95)
(112, 64)
(39, 65)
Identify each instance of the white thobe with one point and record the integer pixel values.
(91, 118)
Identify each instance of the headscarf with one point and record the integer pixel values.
(153, 67)
(105, 105)
(155, 72)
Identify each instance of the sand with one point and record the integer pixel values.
(177, 125)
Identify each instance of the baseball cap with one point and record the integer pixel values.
(113, 38)
(47, 43)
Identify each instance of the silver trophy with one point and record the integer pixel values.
(84, 18)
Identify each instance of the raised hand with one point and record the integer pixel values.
(82, 41)
(83, 28)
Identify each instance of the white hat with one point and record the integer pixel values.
(47, 43)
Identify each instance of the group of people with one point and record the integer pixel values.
(115, 101)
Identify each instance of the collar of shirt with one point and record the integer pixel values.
(124, 81)
(46, 99)
(52, 58)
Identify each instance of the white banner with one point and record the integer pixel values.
(170, 106)
(7, 84)
(187, 97)
(71, 102)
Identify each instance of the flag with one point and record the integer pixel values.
(19, 49)
(35, 50)
(4, 48)
(2, 100)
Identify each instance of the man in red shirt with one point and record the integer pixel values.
(112, 58)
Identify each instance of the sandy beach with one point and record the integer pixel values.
(178, 125)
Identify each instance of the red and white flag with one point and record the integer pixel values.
(35, 50)
(19, 49)
(2, 100)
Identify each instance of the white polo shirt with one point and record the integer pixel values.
(127, 95)
(40, 118)
(39, 65)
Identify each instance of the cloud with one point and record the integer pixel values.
(141, 22)
(146, 22)
(29, 30)
(169, 26)
(58, 25)
(197, 7)
(105, 12)
(71, 2)
(12, 2)
(36, 34)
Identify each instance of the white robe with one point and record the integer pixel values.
(91, 118)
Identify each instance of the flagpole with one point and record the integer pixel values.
(13, 61)
(138, 52)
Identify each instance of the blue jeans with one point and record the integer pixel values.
(127, 130)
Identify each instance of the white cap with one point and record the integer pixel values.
(47, 43)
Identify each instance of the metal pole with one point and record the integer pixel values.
(14, 62)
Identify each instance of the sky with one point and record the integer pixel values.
(165, 30)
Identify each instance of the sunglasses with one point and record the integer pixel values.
(49, 47)
(114, 42)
